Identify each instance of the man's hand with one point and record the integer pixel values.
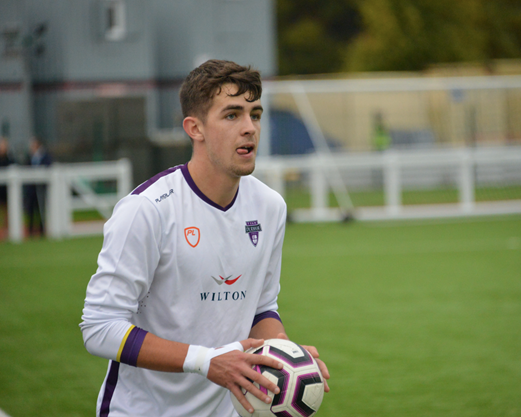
(313, 352)
(233, 370)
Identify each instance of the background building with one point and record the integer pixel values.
(99, 78)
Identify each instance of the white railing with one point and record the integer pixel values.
(392, 164)
(322, 171)
(61, 180)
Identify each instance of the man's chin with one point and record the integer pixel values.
(243, 171)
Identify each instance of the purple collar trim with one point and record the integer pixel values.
(196, 190)
(152, 180)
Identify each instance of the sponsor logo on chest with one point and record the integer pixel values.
(211, 296)
(224, 295)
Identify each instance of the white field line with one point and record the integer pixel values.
(2, 414)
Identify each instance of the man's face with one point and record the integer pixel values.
(231, 132)
(33, 146)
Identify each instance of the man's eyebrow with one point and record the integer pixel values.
(232, 107)
(241, 108)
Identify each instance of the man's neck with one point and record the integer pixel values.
(218, 187)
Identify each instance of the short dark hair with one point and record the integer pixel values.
(206, 81)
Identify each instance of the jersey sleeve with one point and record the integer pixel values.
(126, 266)
(271, 289)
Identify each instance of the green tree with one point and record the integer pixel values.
(394, 35)
(413, 34)
(312, 35)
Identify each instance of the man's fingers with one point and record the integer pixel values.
(323, 368)
(241, 398)
(263, 382)
(264, 360)
(325, 373)
(251, 343)
(253, 390)
(326, 386)
(312, 351)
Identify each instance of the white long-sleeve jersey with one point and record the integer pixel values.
(177, 265)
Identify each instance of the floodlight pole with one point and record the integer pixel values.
(27, 90)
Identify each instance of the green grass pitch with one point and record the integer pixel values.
(416, 318)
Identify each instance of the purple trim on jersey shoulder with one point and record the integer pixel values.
(132, 346)
(199, 193)
(265, 315)
(110, 386)
(152, 180)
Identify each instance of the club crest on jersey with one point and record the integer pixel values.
(253, 228)
(192, 236)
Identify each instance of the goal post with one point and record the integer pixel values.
(349, 146)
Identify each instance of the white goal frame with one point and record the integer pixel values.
(325, 167)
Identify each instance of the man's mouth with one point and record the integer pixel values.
(245, 150)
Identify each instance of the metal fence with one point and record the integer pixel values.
(69, 189)
(467, 171)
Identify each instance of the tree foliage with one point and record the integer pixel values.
(388, 35)
(312, 35)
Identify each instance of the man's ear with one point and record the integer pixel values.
(192, 127)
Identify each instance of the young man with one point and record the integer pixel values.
(188, 275)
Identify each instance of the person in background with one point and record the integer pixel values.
(381, 137)
(36, 194)
(5, 160)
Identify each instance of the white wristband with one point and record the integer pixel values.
(198, 358)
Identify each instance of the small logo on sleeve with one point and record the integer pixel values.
(253, 228)
(192, 236)
(164, 196)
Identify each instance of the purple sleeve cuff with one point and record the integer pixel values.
(133, 346)
(266, 315)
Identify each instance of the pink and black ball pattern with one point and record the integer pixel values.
(290, 402)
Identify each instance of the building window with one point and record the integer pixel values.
(115, 20)
(11, 34)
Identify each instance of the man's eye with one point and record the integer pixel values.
(231, 116)
(256, 116)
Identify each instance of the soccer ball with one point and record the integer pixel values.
(300, 382)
